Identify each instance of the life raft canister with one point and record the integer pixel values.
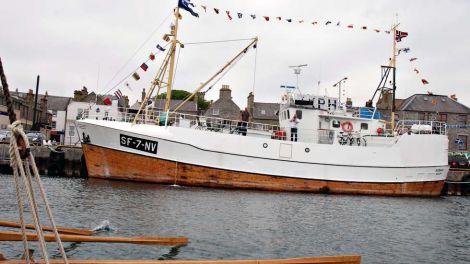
(347, 126)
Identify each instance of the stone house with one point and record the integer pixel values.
(224, 107)
(433, 107)
(265, 113)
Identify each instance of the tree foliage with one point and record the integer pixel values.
(182, 95)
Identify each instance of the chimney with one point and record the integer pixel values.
(30, 98)
(225, 92)
(453, 97)
(143, 95)
(251, 103)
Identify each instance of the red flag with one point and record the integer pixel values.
(107, 101)
(228, 14)
(400, 34)
(266, 18)
(144, 66)
(152, 56)
(350, 26)
(424, 81)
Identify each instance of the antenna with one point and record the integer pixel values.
(339, 88)
(297, 70)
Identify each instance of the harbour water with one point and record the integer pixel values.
(231, 224)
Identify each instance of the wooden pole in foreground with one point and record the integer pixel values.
(145, 240)
(63, 230)
(307, 260)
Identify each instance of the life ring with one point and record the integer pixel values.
(347, 126)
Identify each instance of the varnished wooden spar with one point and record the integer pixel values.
(307, 260)
(62, 230)
(145, 240)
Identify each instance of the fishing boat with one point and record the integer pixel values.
(335, 149)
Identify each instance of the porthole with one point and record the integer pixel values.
(307, 150)
(265, 145)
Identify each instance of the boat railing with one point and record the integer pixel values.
(180, 119)
(420, 127)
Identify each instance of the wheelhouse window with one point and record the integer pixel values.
(364, 126)
(298, 113)
(335, 123)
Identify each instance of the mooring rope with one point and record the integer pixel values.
(22, 162)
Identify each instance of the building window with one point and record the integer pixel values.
(462, 120)
(263, 112)
(53, 124)
(364, 126)
(298, 113)
(421, 116)
(462, 141)
(443, 118)
(215, 111)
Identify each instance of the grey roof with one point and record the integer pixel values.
(57, 103)
(270, 110)
(433, 103)
(190, 106)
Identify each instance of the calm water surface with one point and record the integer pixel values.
(226, 224)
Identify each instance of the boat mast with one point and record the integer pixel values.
(393, 62)
(174, 41)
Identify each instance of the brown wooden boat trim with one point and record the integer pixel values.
(63, 230)
(145, 240)
(113, 164)
(306, 260)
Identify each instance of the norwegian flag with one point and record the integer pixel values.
(118, 93)
(400, 34)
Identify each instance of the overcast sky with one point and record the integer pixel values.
(86, 43)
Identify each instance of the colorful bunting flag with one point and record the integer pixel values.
(338, 24)
(160, 47)
(205, 8)
(118, 94)
(289, 20)
(228, 15)
(327, 23)
(314, 23)
(240, 15)
(266, 18)
(152, 56)
(144, 66)
(186, 5)
(364, 27)
(413, 59)
(216, 11)
(136, 76)
(387, 31)
(107, 101)
(350, 26)
(253, 16)
(424, 81)
(279, 18)
(377, 30)
(400, 34)
(301, 21)
(416, 70)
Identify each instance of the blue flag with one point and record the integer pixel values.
(185, 4)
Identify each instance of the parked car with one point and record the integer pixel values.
(35, 138)
(458, 161)
(5, 136)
